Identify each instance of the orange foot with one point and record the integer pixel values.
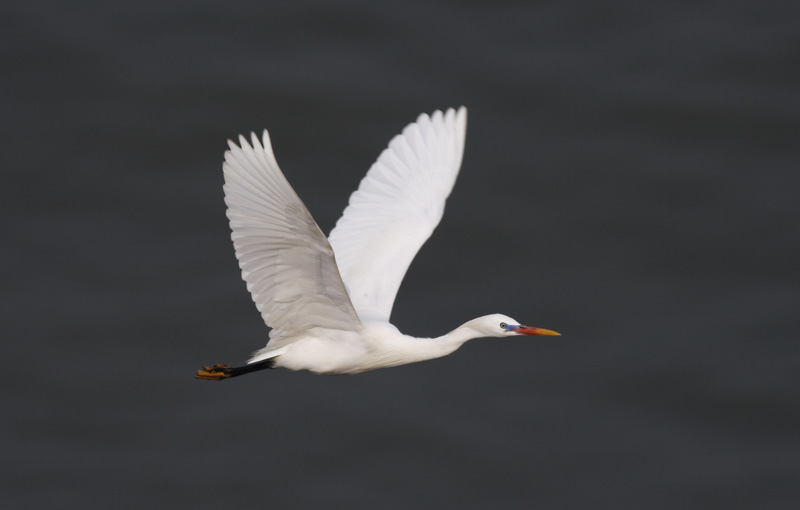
(216, 373)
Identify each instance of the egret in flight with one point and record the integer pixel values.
(328, 300)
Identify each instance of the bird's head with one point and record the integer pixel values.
(498, 325)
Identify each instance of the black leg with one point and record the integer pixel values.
(219, 372)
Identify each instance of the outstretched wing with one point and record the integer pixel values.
(396, 208)
(285, 259)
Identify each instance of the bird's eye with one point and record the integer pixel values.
(503, 325)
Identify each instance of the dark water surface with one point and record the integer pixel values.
(631, 179)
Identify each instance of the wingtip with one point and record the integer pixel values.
(449, 116)
(241, 141)
(254, 141)
(461, 112)
(457, 111)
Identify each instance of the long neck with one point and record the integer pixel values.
(392, 348)
(458, 336)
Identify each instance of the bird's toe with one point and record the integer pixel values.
(216, 373)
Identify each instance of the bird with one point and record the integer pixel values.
(329, 300)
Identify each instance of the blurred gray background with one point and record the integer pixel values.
(630, 179)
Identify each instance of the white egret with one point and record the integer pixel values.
(328, 301)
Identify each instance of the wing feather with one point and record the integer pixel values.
(396, 208)
(285, 259)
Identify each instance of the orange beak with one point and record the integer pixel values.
(529, 330)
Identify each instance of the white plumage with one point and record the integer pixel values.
(330, 314)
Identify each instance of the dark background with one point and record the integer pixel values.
(630, 179)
